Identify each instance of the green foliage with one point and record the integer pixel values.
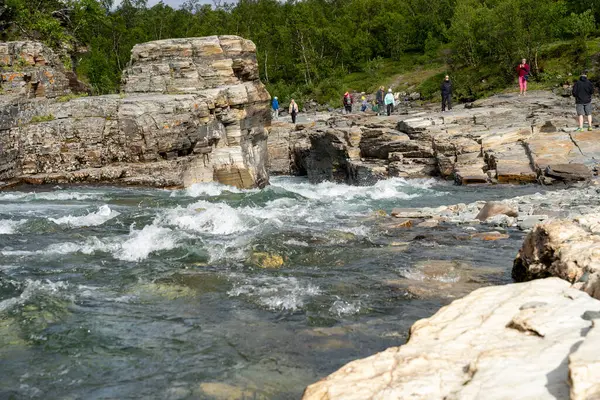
(317, 49)
(42, 118)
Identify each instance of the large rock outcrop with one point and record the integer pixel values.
(568, 249)
(503, 139)
(522, 341)
(193, 111)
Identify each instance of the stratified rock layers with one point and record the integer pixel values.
(519, 341)
(194, 111)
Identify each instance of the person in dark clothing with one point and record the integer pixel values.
(379, 98)
(348, 100)
(583, 91)
(446, 94)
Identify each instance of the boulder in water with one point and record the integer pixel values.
(491, 209)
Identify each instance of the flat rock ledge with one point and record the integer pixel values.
(534, 340)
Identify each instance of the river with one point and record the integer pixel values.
(130, 293)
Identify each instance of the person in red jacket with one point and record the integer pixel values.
(523, 70)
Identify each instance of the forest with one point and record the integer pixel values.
(311, 49)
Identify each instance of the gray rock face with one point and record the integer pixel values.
(212, 130)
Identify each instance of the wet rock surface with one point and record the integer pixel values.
(503, 139)
(515, 341)
(194, 111)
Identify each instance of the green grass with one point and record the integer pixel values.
(42, 118)
(70, 96)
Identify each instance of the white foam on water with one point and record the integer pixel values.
(9, 226)
(48, 196)
(294, 242)
(394, 188)
(276, 293)
(209, 189)
(96, 218)
(342, 308)
(31, 288)
(142, 243)
(206, 217)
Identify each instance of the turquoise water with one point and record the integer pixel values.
(129, 293)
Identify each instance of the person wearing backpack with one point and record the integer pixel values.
(583, 91)
(523, 70)
(389, 102)
(348, 102)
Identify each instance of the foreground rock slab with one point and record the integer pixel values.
(504, 342)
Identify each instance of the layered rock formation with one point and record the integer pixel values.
(30, 69)
(194, 111)
(521, 341)
(504, 139)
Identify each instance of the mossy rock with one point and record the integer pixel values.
(266, 260)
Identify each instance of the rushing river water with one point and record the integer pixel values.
(121, 293)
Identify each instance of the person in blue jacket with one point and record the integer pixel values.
(275, 107)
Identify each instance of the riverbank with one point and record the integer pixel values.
(527, 340)
(502, 139)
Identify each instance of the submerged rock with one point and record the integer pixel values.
(506, 342)
(266, 260)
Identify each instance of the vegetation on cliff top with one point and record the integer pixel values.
(319, 48)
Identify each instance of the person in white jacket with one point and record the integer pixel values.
(389, 102)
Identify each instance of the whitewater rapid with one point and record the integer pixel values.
(111, 292)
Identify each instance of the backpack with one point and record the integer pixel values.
(348, 100)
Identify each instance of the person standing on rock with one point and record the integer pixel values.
(583, 91)
(523, 70)
(379, 98)
(348, 102)
(293, 110)
(364, 105)
(446, 94)
(275, 107)
(389, 102)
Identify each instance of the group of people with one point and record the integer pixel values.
(293, 109)
(582, 90)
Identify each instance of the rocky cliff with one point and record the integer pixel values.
(503, 139)
(192, 110)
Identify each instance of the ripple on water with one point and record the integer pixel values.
(276, 293)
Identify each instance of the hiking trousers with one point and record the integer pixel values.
(446, 102)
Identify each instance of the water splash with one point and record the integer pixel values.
(96, 218)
